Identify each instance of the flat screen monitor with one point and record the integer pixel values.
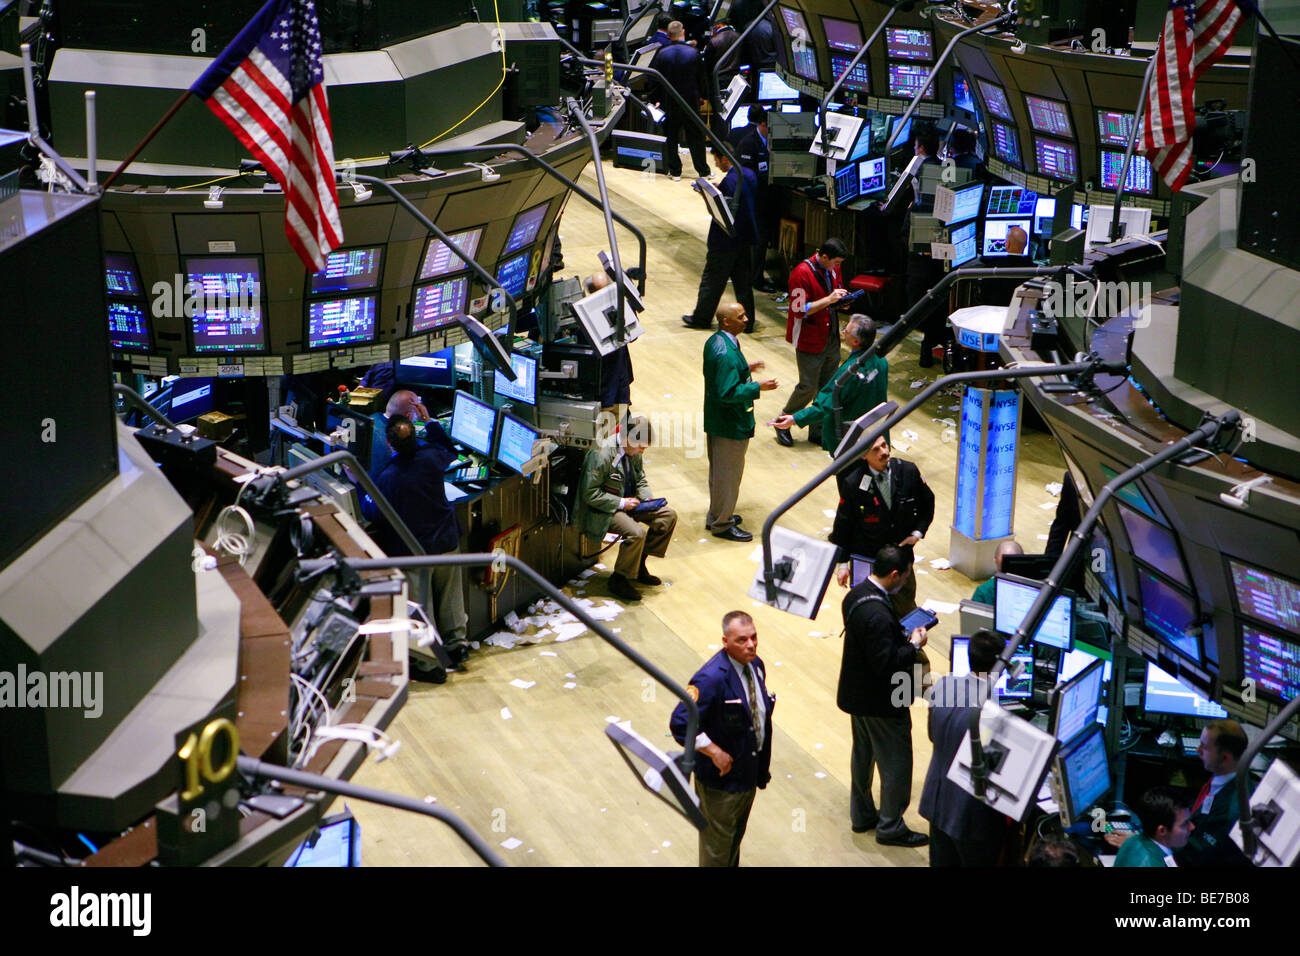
(1153, 544)
(1085, 773)
(1272, 661)
(512, 273)
(473, 423)
(191, 397)
(1074, 703)
(995, 98)
(1055, 159)
(1168, 613)
(128, 325)
(902, 132)
(1137, 222)
(859, 80)
(739, 119)
(995, 236)
(1023, 687)
(1013, 202)
(962, 98)
(337, 842)
(349, 270)
(1073, 662)
(907, 43)
(1166, 694)
(843, 35)
(1102, 563)
(1266, 596)
(1114, 128)
(437, 369)
(846, 184)
(860, 569)
(1137, 181)
(1006, 144)
(804, 57)
(772, 88)
(438, 303)
(229, 318)
(871, 175)
(526, 226)
(1131, 493)
(905, 79)
(966, 203)
(1044, 216)
(120, 277)
(344, 321)
(524, 387)
(515, 443)
(438, 258)
(1049, 116)
(964, 242)
(1012, 599)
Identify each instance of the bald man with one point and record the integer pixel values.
(407, 404)
(984, 593)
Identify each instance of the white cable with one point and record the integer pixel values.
(233, 543)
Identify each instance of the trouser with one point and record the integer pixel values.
(677, 124)
(884, 742)
(720, 265)
(949, 851)
(759, 275)
(727, 814)
(448, 600)
(726, 468)
(815, 370)
(640, 539)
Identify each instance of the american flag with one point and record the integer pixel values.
(1195, 36)
(268, 86)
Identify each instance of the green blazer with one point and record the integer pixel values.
(729, 391)
(1140, 850)
(600, 490)
(863, 391)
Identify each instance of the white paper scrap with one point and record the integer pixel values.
(505, 715)
(940, 564)
(911, 435)
(920, 383)
(1051, 505)
(757, 554)
(819, 775)
(816, 634)
(1053, 488)
(1043, 537)
(512, 843)
(569, 685)
(547, 654)
(523, 684)
(940, 607)
(828, 512)
(612, 719)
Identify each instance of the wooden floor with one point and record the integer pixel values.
(547, 776)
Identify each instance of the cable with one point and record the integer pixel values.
(500, 38)
(238, 545)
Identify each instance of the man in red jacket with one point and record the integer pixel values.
(815, 285)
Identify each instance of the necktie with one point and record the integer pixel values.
(753, 704)
(628, 488)
(882, 484)
(1200, 798)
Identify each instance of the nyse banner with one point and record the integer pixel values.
(967, 503)
(1000, 464)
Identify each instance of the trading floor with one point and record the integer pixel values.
(530, 768)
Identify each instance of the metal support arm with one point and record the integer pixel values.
(575, 110)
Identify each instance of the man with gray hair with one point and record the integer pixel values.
(406, 403)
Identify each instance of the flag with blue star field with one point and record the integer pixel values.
(268, 86)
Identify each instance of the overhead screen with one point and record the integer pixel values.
(342, 321)
(844, 35)
(526, 226)
(349, 270)
(512, 273)
(439, 260)
(906, 78)
(1168, 613)
(1138, 180)
(1114, 127)
(803, 56)
(229, 318)
(1153, 544)
(961, 94)
(128, 326)
(1048, 116)
(437, 304)
(1055, 159)
(905, 43)
(859, 81)
(1265, 596)
(1006, 145)
(120, 277)
(995, 98)
(1272, 661)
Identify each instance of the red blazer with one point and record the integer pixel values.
(809, 332)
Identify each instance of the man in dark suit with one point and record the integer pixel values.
(883, 501)
(923, 271)
(963, 831)
(876, 653)
(1217, 806)
(750, 145)
(683, 70)
(734, 745)
(728, 256)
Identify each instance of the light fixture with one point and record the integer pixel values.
(490, 175)
(214, 200)
(360, 192)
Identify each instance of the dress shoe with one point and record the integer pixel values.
(870, 825)
(675, 178)
(733, 534)
(764, 287)
(622, 588)
(902, 837)
(690, 323)
(737, 519)
(648, 579)
(783, 437)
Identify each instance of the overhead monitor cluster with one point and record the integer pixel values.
(128, 311)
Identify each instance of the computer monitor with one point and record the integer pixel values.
(739, 119)
(1105, 567)
(524, 387)
(1131, 493)
(526, 226)
(1114, 128)
(1153, 544)
(1049, 116)
(128, 325)
(1168, 613)
(1044, 216)
(859, 569)
(905, 79)
(966, 202)
(440, 261)
(900, 132)
(473, 423)
(859, 80)
(995, 236)
(349, 270)
(1073, 662)
(437, 369)
(336, 842)
(1032, 567)
(1055, 159)
(772, 88)
(995, 98)
(1006, 144)
(1139, 179)
(1265, 596)
(1022, 688)
(845, 35)
(907, 43)
(1136, 221)
(1011, 202)
(846, 184)
(1084, 772)
(871, 175)
(1073, 704)
(965, 243)
(803, 56)
(346, 320)
(191, 397)
(1166, 694)
(1272, 661)
(515, 442)
(120, 277)
(437, 304)
(229, 316)
(512, 273)
(962, 98)
(1012, 598)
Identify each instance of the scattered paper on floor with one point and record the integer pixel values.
(512, 842)
(940, 564)
(505, 715)
(523, 684)
(940, 607)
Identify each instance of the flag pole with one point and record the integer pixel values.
(1132, 140)
(149, 136)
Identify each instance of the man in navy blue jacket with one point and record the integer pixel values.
(734, 745)
(683, 69)
(729, 257)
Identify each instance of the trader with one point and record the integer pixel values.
(985, 593)
(682, 68)
(875, 651)
(750, 144)
(1217, 806)
(883, 501)
(862, 389)
(615, 368)
(406, 403)
(815, 285)
(412, 481)
(1166, 826)
(923, 271)
(728, 256)
(613, 493)
(729, 393)
(964, 831)
(735, 737)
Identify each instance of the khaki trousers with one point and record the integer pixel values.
(726, 468)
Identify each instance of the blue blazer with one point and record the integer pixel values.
(724, 716)
(947, 806)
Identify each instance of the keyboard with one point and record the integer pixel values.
(1191, 744)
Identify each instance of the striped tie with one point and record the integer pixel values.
(754, 717)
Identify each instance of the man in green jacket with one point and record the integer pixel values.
(1166, 827)
(611, 494)
(862, 391)
(729, 393)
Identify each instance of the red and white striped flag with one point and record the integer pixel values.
(1195, 36)
(268, 86)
